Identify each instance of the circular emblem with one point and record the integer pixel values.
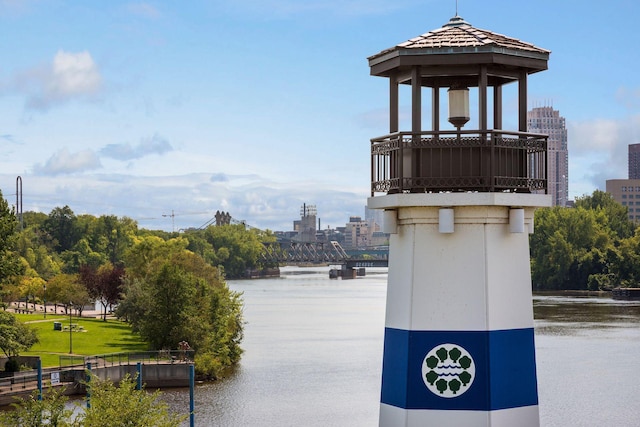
(448, 370)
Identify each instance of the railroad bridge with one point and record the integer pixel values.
(292, 252)
(295, 253)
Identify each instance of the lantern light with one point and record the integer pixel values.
(458, 106)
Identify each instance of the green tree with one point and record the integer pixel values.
(172, 294)
(33, 220)
(103, 284)
(64, 288)
(142, 257)
(34, 412)
(81, 254)
(15, 336)
(110, 235)
(589, 247)
(10, 264)
(173, 315)
(615, 215)
(38, 256)
(62, 227)
(567, 247)
(125, 406)
(111, 406)
(626, 266)
(238, 249)
(221, 347)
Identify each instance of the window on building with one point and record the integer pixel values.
(624, 203)
(624, 188)
(624, 196)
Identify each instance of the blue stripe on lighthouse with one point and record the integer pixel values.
(505, 375)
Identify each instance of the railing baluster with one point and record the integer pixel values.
(495, 160)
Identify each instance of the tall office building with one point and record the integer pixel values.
(634, 161)
(373, 216)
(548, 121)
(627, 193)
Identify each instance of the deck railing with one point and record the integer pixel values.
(117, 359)
(482, 161)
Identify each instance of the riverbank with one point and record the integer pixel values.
(574, 293)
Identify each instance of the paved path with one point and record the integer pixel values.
(51, 310)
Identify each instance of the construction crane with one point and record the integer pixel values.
(173, 217)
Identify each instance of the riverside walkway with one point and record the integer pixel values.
(159, 369)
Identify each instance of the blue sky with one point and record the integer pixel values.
(258, 106)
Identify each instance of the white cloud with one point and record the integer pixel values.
(219, 177)
(64, 162)
(69, 76)
(598, 151)
(194, 198)
(588, 137)
(151, 145)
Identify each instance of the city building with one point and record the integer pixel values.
(634, 161)
(626, 192)
(373, 216)
(306, 225)
(548, 121)
(358, 234)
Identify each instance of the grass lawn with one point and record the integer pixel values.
(96, 337)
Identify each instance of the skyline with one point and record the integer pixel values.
(141, 109)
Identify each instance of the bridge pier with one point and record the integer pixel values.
(347, 273)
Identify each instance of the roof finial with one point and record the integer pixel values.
(456, 7)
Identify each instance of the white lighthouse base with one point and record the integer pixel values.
(459, 343)
(520, 417)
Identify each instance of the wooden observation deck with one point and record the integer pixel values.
(457, 57)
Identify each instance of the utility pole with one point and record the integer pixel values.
(70, 329)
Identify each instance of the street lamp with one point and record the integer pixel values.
(70, 330)
(44, 299)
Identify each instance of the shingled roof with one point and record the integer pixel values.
(445, 52)
(458, 36)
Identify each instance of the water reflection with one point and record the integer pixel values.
(570, 315)
(586, 351)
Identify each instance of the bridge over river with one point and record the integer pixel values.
(351, 262)
(292, 252)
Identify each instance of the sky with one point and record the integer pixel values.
(166, 111)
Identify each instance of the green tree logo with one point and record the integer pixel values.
(448, 370)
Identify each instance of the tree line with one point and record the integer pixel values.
(170, 287)
(593, 246)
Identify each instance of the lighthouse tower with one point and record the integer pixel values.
(459, 203)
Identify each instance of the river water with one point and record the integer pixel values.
(313, 357)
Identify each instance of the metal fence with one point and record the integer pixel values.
(484, 161)
(117, 359)
(28, 380)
